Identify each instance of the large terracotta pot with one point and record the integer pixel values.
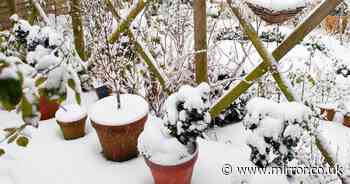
(73, 130)
(119, 143)
(173, 174)
(346, 120)
(328, 113)
(47, 108)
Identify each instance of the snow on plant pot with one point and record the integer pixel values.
(327, 111)
(276, 11)
(169, 146)
(71, 118)
(119, 127)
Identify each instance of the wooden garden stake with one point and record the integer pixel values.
(200, 40)
(78, 30)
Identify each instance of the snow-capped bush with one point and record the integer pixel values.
(43, 48)
(34, 62)
(186, 113)
(276, 130)
(186, 118)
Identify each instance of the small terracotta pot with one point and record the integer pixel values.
(346, 120)
(173, 174)
(119, 143)
(73, 130)
(47, 108)
(329, 113)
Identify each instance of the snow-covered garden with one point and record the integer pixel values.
(175, 92)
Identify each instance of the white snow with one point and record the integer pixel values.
(70, 113)
(106, 112)
(278, 5)
(46, 160)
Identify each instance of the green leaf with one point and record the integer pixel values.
(71, 84)
(10, 130)
(78, 98)
(22, 141)
(12, 138)
(40, 81)
(26, 108)
(10, 93)
(2, 152)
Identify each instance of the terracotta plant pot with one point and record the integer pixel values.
(328, 113)
(73, 130)
(119, 143)
(71, 118)
(347, 120)
(119, 129)
(173, 174)
(274, 17)
(47, 108)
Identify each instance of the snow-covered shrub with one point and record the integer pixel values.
(186, 113)
(186, 118)
(272, 36)
(35, 62)
(276, 130)
(32, 43)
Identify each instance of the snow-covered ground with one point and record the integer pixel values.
(50, 159)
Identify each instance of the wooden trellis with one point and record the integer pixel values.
(269, 63)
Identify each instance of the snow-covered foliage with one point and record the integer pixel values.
(34, 61)
(113, 64)
(276, 130)
(186, 118)
(187, 115)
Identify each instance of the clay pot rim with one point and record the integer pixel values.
(109, 123)
(96, 124)
(275, 12)
(185, 163)
(72, 122)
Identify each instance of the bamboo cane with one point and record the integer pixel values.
(125, 23)
(146, 56)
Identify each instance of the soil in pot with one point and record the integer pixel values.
(47, 108)
(173, 174)
(71, 119)
(119, 129)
